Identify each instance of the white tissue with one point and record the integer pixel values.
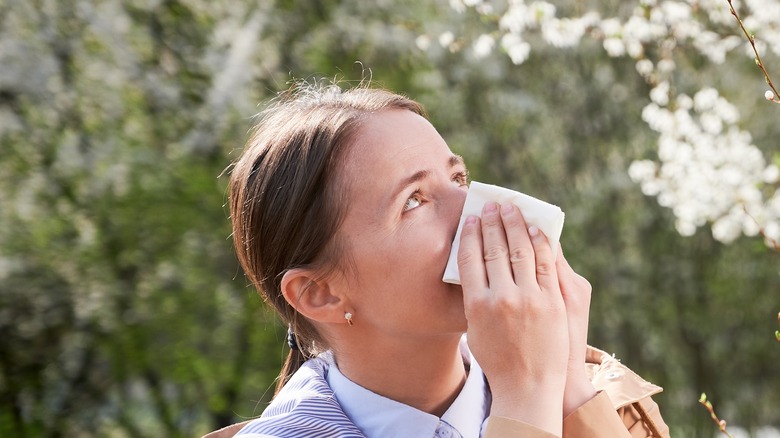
(546, 217)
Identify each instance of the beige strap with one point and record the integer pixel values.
(647, 420)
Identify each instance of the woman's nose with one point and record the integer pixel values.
(456, 199)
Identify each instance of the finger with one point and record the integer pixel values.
(521, 252)
(546, 274)
(570, 281)
(494, 246)
(473, 279)
(561, 264)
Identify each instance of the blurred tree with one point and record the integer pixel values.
(122, 309)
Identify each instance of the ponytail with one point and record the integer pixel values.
(295, 358)
(304, 342)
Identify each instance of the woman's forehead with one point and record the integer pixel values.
(392, 151)
(394, 140)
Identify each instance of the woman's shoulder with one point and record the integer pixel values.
(305, 405)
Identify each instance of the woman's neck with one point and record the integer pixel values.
(424, 375)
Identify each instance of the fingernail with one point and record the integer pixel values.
(506, 208)
(471, 220)
(533, 231)
(491, 207)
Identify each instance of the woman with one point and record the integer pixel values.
(344, 206)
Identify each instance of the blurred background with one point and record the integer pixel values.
(123, 312)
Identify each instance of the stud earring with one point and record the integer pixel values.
(348, 317)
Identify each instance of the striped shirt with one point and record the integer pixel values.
(308, 406)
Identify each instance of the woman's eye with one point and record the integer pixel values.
(413, 202)
(461, 178)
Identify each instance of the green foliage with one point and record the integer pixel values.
(122, 309)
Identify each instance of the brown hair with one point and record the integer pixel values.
(285, 194)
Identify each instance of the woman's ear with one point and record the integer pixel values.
(312, 296)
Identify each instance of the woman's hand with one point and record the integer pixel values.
(517, 318)
(576, 292)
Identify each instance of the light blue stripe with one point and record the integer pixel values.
(306, 407)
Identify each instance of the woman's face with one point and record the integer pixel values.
(405, 192)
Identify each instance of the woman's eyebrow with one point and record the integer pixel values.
(456, 160)
(453, 161)
(411, 179)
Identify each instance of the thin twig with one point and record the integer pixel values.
(777, 332)
(772, 243)
(759, 62)
(721, 423)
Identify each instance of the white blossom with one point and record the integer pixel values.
(423, 42)
(483, 46)
(642, 170)
(517, 49)
(726, 229)
(612, 27)
(708, 170)
(614, 47)
(685, 228)
(771, 174)
(666, 65)
(705, 99)
(516, 18)
(644, 67)
(718, 11)
(563, 32)
(772, 231)
(660, 93)
(634, 48)
(446, 38)
(673, 13)
(458, 6)
(542, 11)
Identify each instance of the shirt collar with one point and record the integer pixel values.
(471, 407)
(377, 415)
